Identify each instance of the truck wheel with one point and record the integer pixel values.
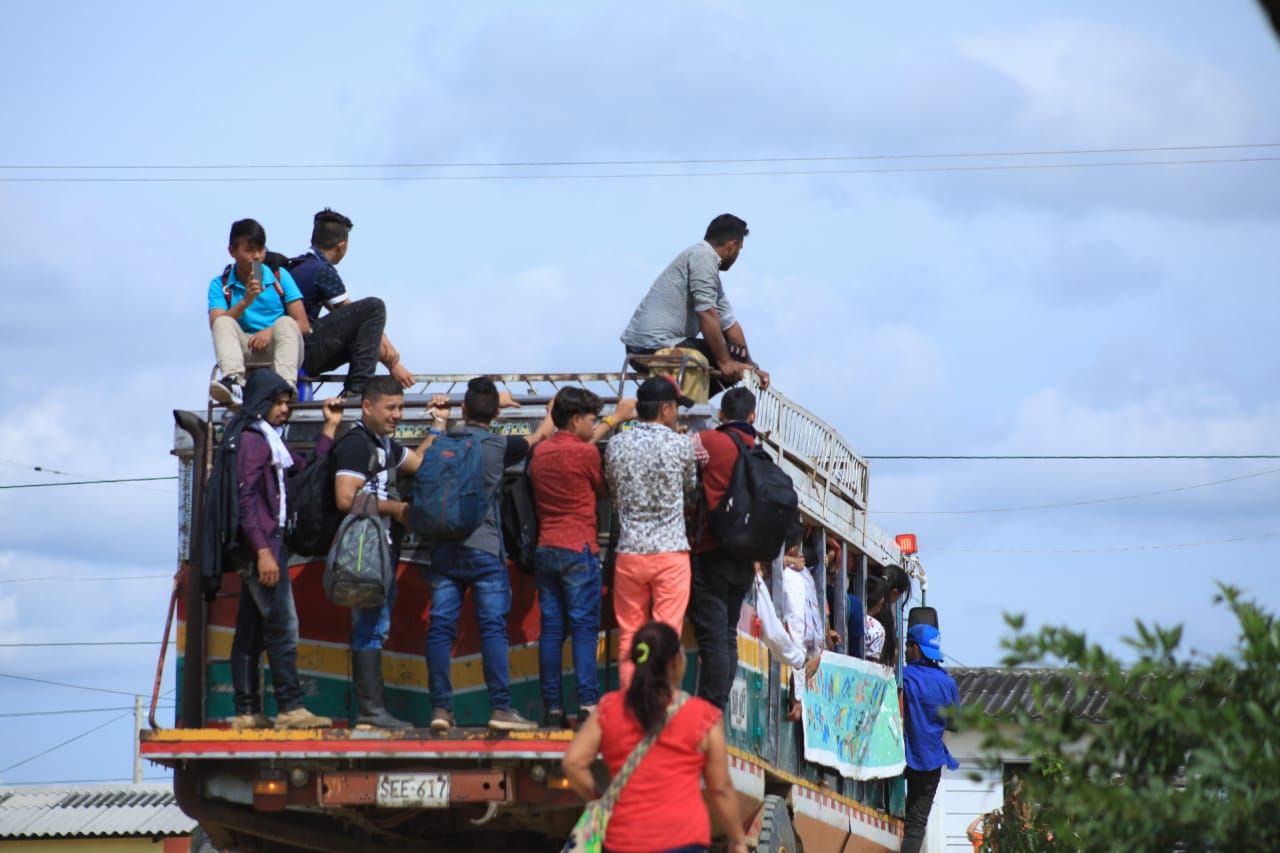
(777, 835)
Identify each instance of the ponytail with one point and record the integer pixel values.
(653, 648)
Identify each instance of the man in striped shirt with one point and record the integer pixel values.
(688, 299)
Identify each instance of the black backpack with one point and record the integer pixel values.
(313, 515)
(752, 518)
(519, 515)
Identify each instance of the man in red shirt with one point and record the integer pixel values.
(720, 582)
(567, 476)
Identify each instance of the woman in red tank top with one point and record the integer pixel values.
(660, 809)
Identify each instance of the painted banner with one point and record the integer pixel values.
(851, 719)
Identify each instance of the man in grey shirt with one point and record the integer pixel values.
(688, 298)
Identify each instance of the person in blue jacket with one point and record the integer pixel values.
(930, 700)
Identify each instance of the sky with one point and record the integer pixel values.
(928, 309)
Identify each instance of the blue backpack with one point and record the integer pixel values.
(450, 501)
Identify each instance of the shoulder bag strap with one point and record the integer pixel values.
(637, 755)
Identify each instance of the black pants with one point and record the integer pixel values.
(737, 352)
(921, 787)
(720, 583)
(352, 334)
(266, 619)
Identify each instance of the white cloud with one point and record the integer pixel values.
(1090, 84)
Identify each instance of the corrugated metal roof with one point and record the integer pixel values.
(1000, 692)
(86, 811)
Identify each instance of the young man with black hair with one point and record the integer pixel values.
(930, 701)
(351, 332)
(567, 475)
(897, 588)
(688, 299)
(255, 321)
(366, 460)
(720, 581)
(478, 563)
(266, 618)
(652, 475)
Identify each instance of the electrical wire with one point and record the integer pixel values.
(1087, 502)
(1113, 550)
(45, 469)
(1080, 457)
(83, 578)
(91, 781)
(70, 711)
(72, 686)
(69, 740)
(87, 482)
(245, 179)
(83, 643)
(656, 162)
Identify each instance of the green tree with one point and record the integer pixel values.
(1188, 753)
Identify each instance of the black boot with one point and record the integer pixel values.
(366, 674)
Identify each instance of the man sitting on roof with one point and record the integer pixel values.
(688, 298)
(255, 314)
(351, 332)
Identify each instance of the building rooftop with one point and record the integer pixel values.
(1000, 692)
(91, 811)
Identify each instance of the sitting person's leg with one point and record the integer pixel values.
(352, 335)
(286, 350)
(230, 348)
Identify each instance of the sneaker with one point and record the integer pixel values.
(441, 720)
(509, 720)
(555, 719)
(301, 718)
(257, 720)
(227, 391)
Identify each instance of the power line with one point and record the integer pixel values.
(40, 578)
(245, 179)
(652, 162)
(71, 686)
(87, 482)
(71, 711)
(125, 779)
(1078, 457)
(45, 469)
(1088, 502)
(84, 643)
(72, 739)
(1114, 550)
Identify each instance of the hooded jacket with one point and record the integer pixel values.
(221, 518)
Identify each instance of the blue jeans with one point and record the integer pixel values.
(454, 568)
(569, 598)
(370, 625)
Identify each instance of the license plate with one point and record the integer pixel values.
(413, 790)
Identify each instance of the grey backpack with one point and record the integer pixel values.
(358, 570)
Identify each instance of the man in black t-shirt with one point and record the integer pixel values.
(478, 563)
(365, 460)
(350, 332)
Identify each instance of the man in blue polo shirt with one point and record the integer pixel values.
(931, 699)
(350, 332)
(255, 321)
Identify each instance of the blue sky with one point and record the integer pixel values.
(1092, 311)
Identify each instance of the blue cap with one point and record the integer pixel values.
(928, 639)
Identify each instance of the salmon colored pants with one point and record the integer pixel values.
(648, 587)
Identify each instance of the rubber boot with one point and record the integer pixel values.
(366, 673)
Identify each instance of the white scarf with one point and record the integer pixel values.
(281, 460)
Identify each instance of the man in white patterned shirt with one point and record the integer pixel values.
(652, 477)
